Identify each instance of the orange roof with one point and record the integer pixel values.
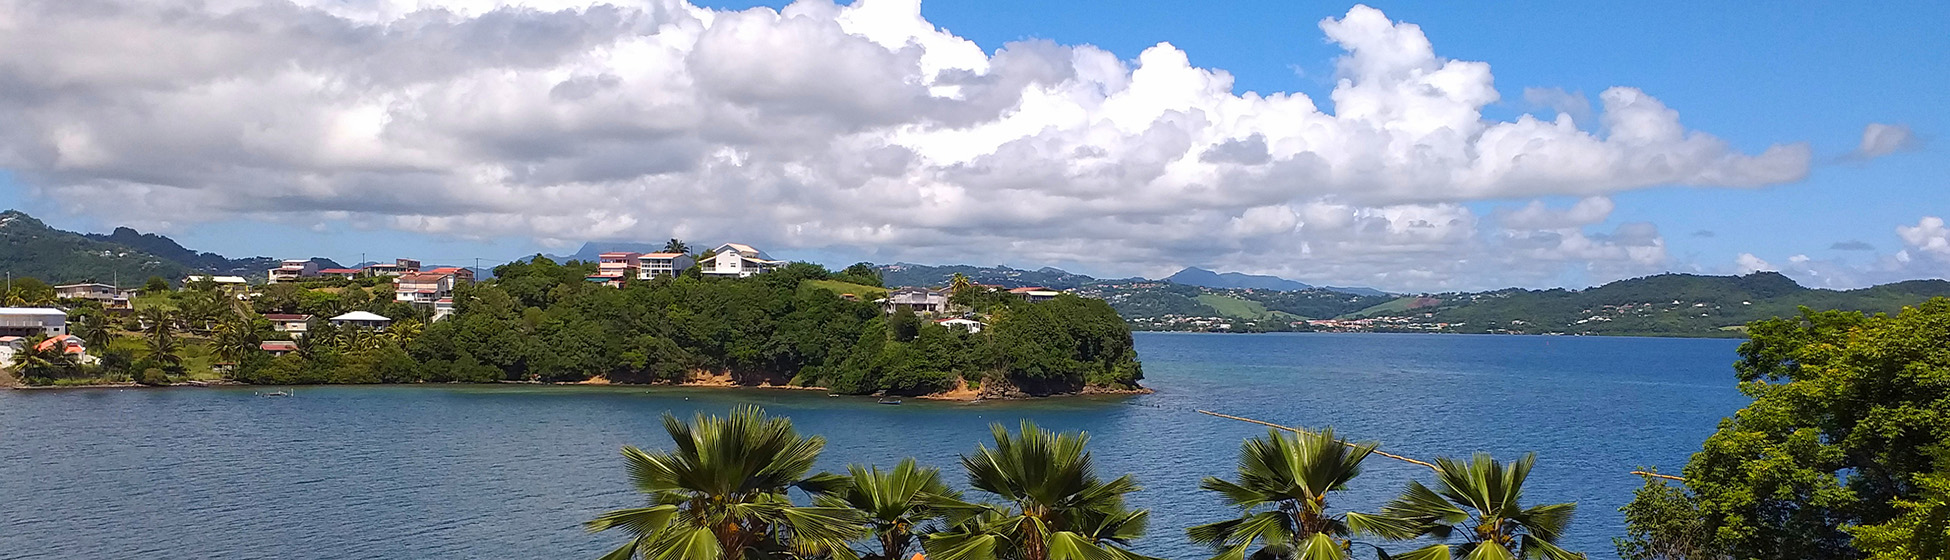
(60, 339)
(1026, 289)
(445, 270)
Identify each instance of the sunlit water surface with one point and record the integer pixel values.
(511, 471)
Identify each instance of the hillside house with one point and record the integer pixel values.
(289, 323)
(31, 321)
(1034, 293)
(278, 347)
(346, 273)
(423, 288)
(292, 270)
(662, 265)
(442, 308)
(614, 268)
(104, 293)
(396, 268)
(740, 260)
(227, 284)
(918, 300)
(362, 319)
(462, 275)
(970, 325)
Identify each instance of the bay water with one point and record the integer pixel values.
(510, 471)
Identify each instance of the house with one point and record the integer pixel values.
(104, 293)
(662, 265)
(31, 321)
(69, 344)
(918, 300)
(1034, 293)
(278, 347)
(289, 323)
(396, 268)
(442, 308)
(346, 273)
(970, 325)
(10, 345)
(615, 267)
(231, 284)
(740, 260)
(423, 288)
(291, 270)
(362, 319)
(462, 275)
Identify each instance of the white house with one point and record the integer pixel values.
(740, 260)
(918, 300)
(96, 291)
(291, 323)
(395, 268)
(1035, 293)
(423, 288)
(662, 265)
(30, 321)
(291, 270)
(362, 319)
(970, 325)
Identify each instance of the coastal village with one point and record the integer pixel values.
(431, 289)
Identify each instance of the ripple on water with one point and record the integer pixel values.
(511, 472)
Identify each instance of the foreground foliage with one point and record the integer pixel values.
(1838, 457)
(1052, 505)
(1281, 490)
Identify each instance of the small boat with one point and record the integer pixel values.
(275, 394)
(890, 401)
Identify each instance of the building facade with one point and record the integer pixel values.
(33, 321)
(740, 260)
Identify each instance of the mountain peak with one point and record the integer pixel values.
(1194, 276)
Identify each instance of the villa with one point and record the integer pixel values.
(31, 321)
(232, 284)
(278, 347)
(740, 260)
(970, 325)
(614, 267)
(291, 270)
(362, 319)
(423, 288)
(395, 268)
(290, 323)
(662, 265)
(918, 300)
(1035, 293)
(346, 273)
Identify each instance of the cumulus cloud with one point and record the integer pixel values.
(861, 128)
(1747, 263)
(1925, 253)
(1883, 139)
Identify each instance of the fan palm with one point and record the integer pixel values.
(721, 494)
(1478, 501)
(900, 505)
(1282, 489)
(1055, 507)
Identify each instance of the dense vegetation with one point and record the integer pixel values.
(724, 492)
(1667, 304)
(1844, 453)
(28, 248)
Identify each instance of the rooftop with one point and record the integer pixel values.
(44, 311)
(361, 316)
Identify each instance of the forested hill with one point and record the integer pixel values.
(34, 250)
(1665, 304)
(168, 249)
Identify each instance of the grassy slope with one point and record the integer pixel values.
(1236, 308)
(1396, 305)
(865, 292)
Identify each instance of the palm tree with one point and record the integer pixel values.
(899, 505)
(676, 246)
(404, 331)
(160, 333)
(236, 338)
(93, 329)
(1055, 506)
(722, 494)
(36, 360)
(1282, 489)
(1477, 501)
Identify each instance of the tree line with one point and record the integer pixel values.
(740, 486)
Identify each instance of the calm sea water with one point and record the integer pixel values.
(510, 471)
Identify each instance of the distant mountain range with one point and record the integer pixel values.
(1237, 280)
(909, 274)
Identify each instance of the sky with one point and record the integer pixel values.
(1407, 146)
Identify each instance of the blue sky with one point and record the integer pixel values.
(1755, 75)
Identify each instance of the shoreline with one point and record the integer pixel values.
(957, 395)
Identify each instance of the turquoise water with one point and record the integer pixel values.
(510, 471)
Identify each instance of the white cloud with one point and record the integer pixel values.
(1925, 254)
(1747, 263)
(1883, 139)
(1928, 239)
(861, 128)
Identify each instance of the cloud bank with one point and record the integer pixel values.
(859, 129)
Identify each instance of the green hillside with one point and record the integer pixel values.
(29, 248)
(865, 292)
(1668, 304)
(1238, 308)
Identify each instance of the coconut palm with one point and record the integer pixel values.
(676, 246)
(38, 360)
(1477, 502)
(403, 332)
(235, 338)
(160, 334)
(900, 505)
(1054, 505)
(92, 328)
(1281, 490)
(722, 494)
